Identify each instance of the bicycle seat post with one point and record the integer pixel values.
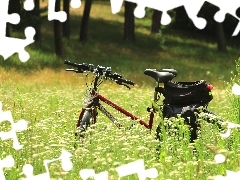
(155, 91)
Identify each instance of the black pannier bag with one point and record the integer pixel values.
(187, 92)
(187, 112)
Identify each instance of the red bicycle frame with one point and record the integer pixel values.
(96, 104)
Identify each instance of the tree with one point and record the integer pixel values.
(14, 7)
(129, 23)
(28, 18)
(37, 21)
(156, 18)
(85, 20)
(8, 34)
(57, 32)
(220, 37)
(66, 28)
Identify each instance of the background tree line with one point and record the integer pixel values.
(62, 30)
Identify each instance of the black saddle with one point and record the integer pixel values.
(162, 75)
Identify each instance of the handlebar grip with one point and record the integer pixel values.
(81, 67)
(131, 82)
(72, 64)
(70, 69)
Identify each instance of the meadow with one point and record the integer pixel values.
(52, 108)
(49, 98)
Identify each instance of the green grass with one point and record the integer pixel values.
(51, 107)
(49, 98)
(192, 55)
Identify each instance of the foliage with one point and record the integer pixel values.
(182, 22)
(234, 109)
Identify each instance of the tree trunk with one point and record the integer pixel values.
(57, 32)
(66, 28)
(220, 37)
(129, 23)
(15, 7)
(37, 24)
(156, 18)
(85, 20)
(8, 34)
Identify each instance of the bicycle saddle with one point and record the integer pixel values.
(161, 76)
(173, 71)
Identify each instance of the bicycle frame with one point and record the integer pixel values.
(96, 104)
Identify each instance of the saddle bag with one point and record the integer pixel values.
(180, 93)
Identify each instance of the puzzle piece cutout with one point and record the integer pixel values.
(226, 7)
(138, 168)
(18, 126)
(214, 14)
(9, 46)
(192, 8)
(236, 89)
(220, 158)
(229, 127)
(87, 173)
(230, 175)
(65, 161)
(28, 5)
(7, 162)
(61, 15)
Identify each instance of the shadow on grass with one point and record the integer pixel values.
(104, 39)
(106, 47)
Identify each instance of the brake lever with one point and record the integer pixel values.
(127, 86)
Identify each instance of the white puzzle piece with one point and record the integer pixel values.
(20, 125)
(192, 8)
(9, 46)
(7, 162)
(65, 159)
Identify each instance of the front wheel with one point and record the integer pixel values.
(86, 120)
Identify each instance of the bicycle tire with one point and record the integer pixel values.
(85, 121)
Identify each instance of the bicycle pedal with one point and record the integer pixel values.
(148, 109)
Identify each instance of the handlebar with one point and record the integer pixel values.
(80, 67)
(99, 71)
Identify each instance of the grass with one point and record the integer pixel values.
(49, 98)
(51, 109)
(191, 55)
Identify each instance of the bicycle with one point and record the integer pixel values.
(180, 98)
